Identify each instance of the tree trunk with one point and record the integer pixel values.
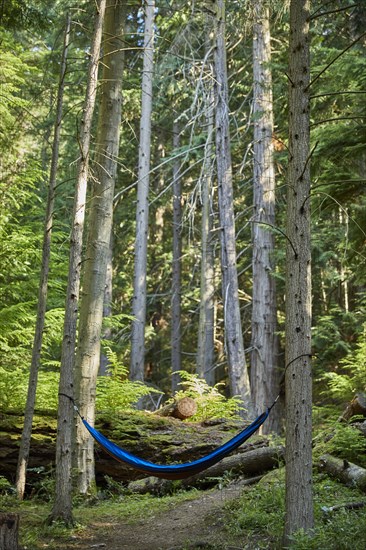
(107, 307)
(346, 472)
(264, 367)
(239, 379)
(98, 241)
(206, 335)
(137, 360)
(176, 267)
(9, 528)
(42, 293)
(299, 504)
(62, 507)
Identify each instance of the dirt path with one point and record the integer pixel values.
(190, 525)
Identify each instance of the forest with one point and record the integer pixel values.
(182, 268)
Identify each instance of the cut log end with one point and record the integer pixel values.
(9, 528)
(182, 408)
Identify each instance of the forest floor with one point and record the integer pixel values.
(191, 524)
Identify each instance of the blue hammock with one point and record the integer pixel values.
(177, 471)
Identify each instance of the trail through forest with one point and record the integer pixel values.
(192, 524)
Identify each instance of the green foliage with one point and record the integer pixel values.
(348, 443)
(116, 392)
(210, 402)
(351, 375)
(258, 517)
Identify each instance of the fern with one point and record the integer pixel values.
(210, 401)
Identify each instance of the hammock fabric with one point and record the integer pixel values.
(177, 471)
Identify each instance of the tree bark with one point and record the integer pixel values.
(137, 359)
(299, 503)
(43, 286)
(9, 529)
(346, 472)
(62, 507)
(176, 268)
(238, 374)
(264, 373)
(98, 241)
(206, 328)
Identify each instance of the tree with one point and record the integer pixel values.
(62, 507)
(206, 324)
(239, 379)
(176, 267)
(137, 359)
(43, 286)
(98, 239)
(299, 504)
(264, 368)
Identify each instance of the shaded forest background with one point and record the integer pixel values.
(31, 42)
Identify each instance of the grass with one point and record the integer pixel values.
(35, 534)
(258, 517)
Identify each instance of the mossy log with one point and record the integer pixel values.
(154, 438)
(9, 529)
(346, 472)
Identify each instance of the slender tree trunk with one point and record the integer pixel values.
(137, 361)
(299, 504)
(107, 307)
(206, 348)
(264, 367)
(98, 241)
(62, 507)
(176, 267)
(43, 286)
(239, 379)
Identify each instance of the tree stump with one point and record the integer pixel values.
(9, 526)
(182, 409)
(356, 406)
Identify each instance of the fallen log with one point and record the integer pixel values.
(249, 463)
(9, 528)
(347, 506)
(182, 409)
(346, 472)
(355, 407)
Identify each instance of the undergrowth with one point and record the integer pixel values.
(258, 517)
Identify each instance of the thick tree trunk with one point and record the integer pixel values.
(299, 503)
(239, 379)
(99, 232)
(9, 529)
(264, 374)
(62, 507)
(137, 360)
(206, 329)
(176, 337)
(42, 293)
(346, 472)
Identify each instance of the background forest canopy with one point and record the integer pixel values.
(31, 37)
